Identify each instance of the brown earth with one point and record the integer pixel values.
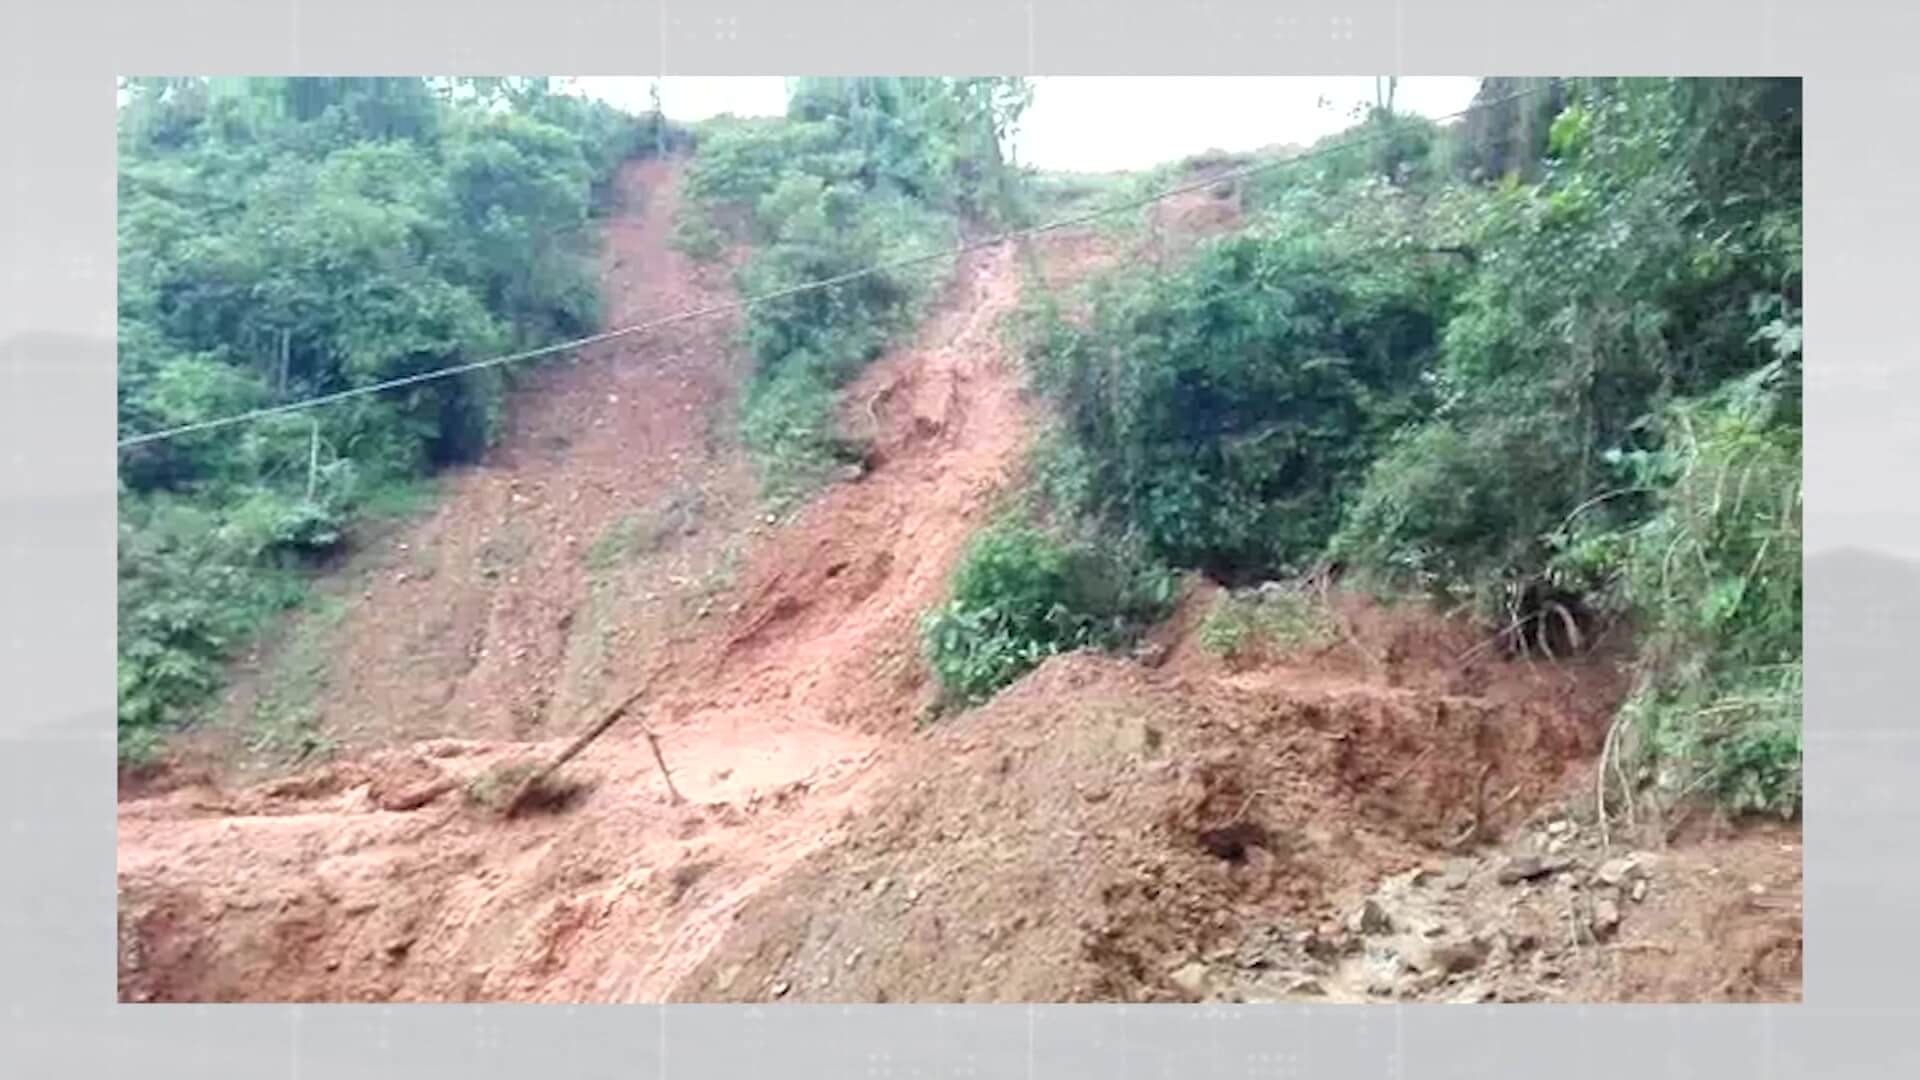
(1168, 827)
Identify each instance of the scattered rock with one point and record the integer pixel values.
(1639, 890)
(1264, 947)
(1526, 867)
(1625, 868)
(780, 989)
(1305, 984)
(1474, 993)
(1370, 918)
(1457, 873)
(1445, 956)
(1606, 918)
(1560, 828)
(1191, 978)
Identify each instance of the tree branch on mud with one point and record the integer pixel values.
(533, 782)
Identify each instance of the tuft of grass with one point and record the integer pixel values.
(695, 233)
(286, 723)
(1239, 624)
(635, 535)
(505, 550)
(495, 785)
(400, 500)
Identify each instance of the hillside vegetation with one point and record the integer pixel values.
(861, 173)
(1541, 365)
(1559, 388)
(286, 238)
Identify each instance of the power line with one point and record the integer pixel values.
(823, 283)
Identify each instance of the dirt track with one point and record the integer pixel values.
(1104, 830)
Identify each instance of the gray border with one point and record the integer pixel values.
(56, 533)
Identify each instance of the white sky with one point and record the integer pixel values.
(1099, 124)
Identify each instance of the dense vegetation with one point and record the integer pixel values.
(1543, 363)
(861, 172)
(282, 238)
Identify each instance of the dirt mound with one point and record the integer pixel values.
(1102, 824)
(1106, 831)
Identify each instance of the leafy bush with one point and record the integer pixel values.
(1714, 579)
(1223, 407)
(1626, 279)
(1021, 595)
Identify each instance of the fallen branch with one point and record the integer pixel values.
(1600, 780)
(1515, 630)
(532, 782)
(1408, 771)
(1479, 809)
(1473, 831)
(421, 796)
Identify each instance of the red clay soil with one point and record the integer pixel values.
(1172, 827)
(309, 889)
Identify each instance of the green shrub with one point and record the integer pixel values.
(1224, 407)
(1713, 578)
(1020, 595)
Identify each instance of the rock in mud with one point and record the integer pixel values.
(1606, 918)
(1623, 869)
(1527, 867)
(1255, 952)
(1445, 956)
(1191, 978)
(1299, 984)
(1370, 918)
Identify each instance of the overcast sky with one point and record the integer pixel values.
(1097, 124)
